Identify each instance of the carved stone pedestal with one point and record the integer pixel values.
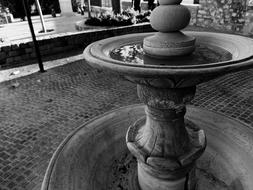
(165, 145)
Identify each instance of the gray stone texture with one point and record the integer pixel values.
(38, 111)
(228, 15)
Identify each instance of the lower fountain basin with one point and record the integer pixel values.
(95, 156)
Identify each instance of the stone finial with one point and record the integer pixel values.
(168, 19)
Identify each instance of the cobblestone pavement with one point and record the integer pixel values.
(38, 111)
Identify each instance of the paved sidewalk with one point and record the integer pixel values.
(48, 63)
(14, 32)
(38, 111)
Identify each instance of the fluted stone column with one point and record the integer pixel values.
(66, 8)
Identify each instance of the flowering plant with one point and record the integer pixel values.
(127, 17)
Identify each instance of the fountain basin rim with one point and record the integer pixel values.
(88, 126)
(97, 55)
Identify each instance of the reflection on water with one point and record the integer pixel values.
(131, 54)
(203, 54)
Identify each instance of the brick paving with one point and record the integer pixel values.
(38, 111)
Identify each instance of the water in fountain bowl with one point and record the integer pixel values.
(203, 54)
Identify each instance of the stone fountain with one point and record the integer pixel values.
(166, 141)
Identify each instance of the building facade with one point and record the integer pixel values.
(228, 15)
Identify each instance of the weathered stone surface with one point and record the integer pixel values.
(230, 15)
(164, 44)
(169, 18)
(163, 138)
(54, 105)
(227, 157)
(170, 99)
(248, 27)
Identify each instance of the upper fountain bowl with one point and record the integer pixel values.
(215, 54)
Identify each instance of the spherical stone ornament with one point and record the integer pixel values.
(169, 2)
(170, 18)
(163, 45)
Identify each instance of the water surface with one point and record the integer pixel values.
(203, 54)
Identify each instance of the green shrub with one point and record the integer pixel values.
(127, 17)
(143, 17)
